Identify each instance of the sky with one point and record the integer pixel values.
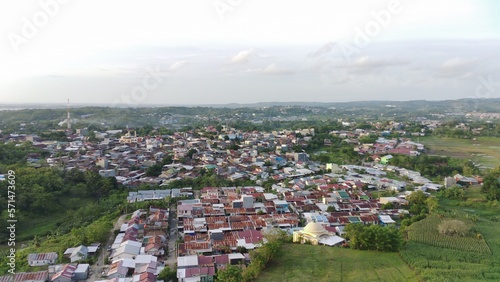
(178, 52)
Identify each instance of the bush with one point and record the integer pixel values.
(453, 227)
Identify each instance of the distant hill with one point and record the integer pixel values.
(467, 104)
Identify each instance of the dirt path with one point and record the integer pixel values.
(96, 269)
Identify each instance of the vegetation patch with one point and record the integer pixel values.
(320, 263)
(482, 150)
(448, 233)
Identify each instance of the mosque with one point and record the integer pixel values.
(316, 234)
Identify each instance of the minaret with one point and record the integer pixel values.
(68, 119)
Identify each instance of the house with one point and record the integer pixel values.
(205, 274)
(81, 272)
(386, 159)
(187, 261)
(236, 258)
(281, 206)
(393, 200)
(145, 277)
(119, 269)
(65, 274)
(42, 259)
(154, 249)
(127, 249)
(77, 254)
(386, 220)
(39, 276)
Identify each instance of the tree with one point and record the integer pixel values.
(418, 203)
(168, 274)
(455, 192)
(491, 186)
(154, 170)
(331, 209)
(417, 198)
(432, 204)
(388, 206)
(232, 273)
(374, 237)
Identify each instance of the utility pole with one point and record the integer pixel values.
(68, 120)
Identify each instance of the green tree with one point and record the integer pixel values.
(331, 209)
(432, 204)
(374, 237)
(232, 273)
(168, 274)
(491, 185)
(154, 170)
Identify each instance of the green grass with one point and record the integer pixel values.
(426, 232)
(42, 225)
(321, 263)
(483, 151)
(459, 263)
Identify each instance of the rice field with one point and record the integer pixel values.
(483, 151)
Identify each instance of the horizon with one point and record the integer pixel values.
(31, 105)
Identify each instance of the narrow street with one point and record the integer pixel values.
(96, 269)
(172, 238)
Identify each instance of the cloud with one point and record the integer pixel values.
(242, 57)
(457, 67)
(342, 80)
(178, 65)
(323, 50)
(369, 64)
(275, 69)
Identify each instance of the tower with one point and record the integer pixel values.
(68, 119)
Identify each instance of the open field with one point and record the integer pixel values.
(321, 263)
(41, 225)
(484, 151)
(426, 232)
(460, 264)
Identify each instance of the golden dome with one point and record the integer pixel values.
(314, 228)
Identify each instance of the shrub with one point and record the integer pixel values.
(453, 227)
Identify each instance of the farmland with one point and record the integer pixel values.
(438, 257)
(426, 232)
(320, 263)
(483, 151)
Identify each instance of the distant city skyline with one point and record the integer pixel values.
(235, 51)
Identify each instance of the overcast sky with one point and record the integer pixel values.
(244, 51)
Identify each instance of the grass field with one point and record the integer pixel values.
(455, 264)
(426, 232)
(484, 151)
(42, 225)
(321, 263)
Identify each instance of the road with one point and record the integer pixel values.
(96, 269)
(172, 238)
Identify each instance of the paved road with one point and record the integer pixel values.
(172, 238)
(96, 269)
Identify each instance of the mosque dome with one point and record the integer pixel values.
(314, 228)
